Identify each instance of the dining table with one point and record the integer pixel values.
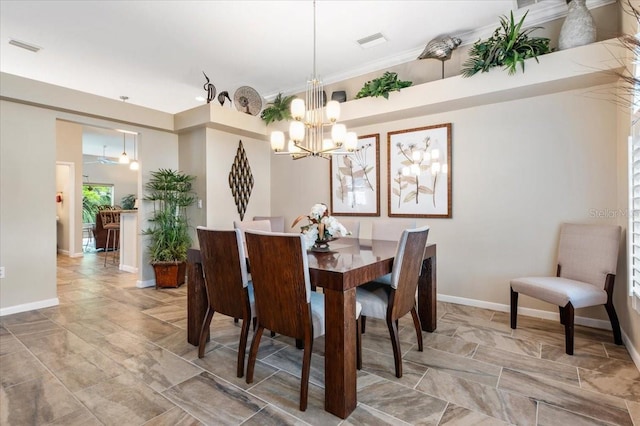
(338, 270)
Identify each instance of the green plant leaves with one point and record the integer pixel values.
(277, 110)
(381, 86)
(171, 191)
(508, 47)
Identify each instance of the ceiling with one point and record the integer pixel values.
(155, 52)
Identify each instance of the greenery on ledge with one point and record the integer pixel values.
(381, 86)
(277, 110)
(508, 47)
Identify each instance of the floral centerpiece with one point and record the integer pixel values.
(322, 227)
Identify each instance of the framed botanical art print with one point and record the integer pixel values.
(354, 179)
(419, 172)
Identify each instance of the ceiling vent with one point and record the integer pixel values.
(526, 3)
(30, 47)
(372, 40)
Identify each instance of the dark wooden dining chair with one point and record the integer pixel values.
(285, 303)
(229, 290)
(585, 274)
(392, 302)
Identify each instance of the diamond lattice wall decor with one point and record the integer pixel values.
(241, 180)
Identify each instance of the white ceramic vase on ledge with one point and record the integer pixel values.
(578, 28)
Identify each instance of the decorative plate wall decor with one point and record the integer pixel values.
(241, 180)
(248, 100)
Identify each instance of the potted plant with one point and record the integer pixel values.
(171, 193)
(508, 47)
(277, 110)
(381, 86)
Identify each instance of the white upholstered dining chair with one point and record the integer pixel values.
(392, 301)
(586, 272)
(285, 303)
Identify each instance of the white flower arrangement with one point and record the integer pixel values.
(322, 227)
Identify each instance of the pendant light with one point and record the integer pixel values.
(124, 158)
(134, 165)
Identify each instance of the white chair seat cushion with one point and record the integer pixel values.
(374, 298)
(317, 313)
(385, 279)
(560, 291)
(252, 299)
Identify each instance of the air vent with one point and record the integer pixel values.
(372, 40)
(526, 3)
(30, 47)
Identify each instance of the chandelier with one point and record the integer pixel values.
(307, 131)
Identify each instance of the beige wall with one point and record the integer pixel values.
(220, 151)
(519, 169)
(193, 159)
(27, 207)
(69, 150)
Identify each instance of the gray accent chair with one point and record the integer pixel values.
(393, 301)
(585, 275)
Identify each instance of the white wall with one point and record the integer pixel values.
(69, 152)
(63, 176)
(519, 170)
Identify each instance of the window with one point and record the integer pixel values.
(634, 192)
(94, 195)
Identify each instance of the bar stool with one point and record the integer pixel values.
(111, 222)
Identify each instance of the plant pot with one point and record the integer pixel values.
(170, 274)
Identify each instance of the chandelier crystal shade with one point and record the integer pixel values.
(308, 135)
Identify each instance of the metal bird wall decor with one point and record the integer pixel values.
(210, 88)
(441, 49)
(222, 96)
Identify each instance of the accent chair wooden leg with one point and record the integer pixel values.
(395, 342)
(253, 353)
(416, 324)
(568, 328)
(562, 314)
(514, 309)
(204, 331)
(242, 349)
(615, 324)
(363, 322)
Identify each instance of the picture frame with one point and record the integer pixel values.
(354, 179)
(419, 172)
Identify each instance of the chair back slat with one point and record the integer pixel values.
(406, 269)
(352, 226)
(281, 284)
(277, 222)
(225, 271)
(588, 253)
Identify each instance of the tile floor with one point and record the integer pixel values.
(114, 354)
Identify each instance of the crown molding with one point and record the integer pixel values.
(538, 14)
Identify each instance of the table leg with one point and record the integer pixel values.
(196, 301)
(340, 352)
(427, 291)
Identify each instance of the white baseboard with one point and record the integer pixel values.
(635, 356)
(145, 284)
(63, 252)
(29, 306)
(127, 268)
(77, 255)
(537, 313)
